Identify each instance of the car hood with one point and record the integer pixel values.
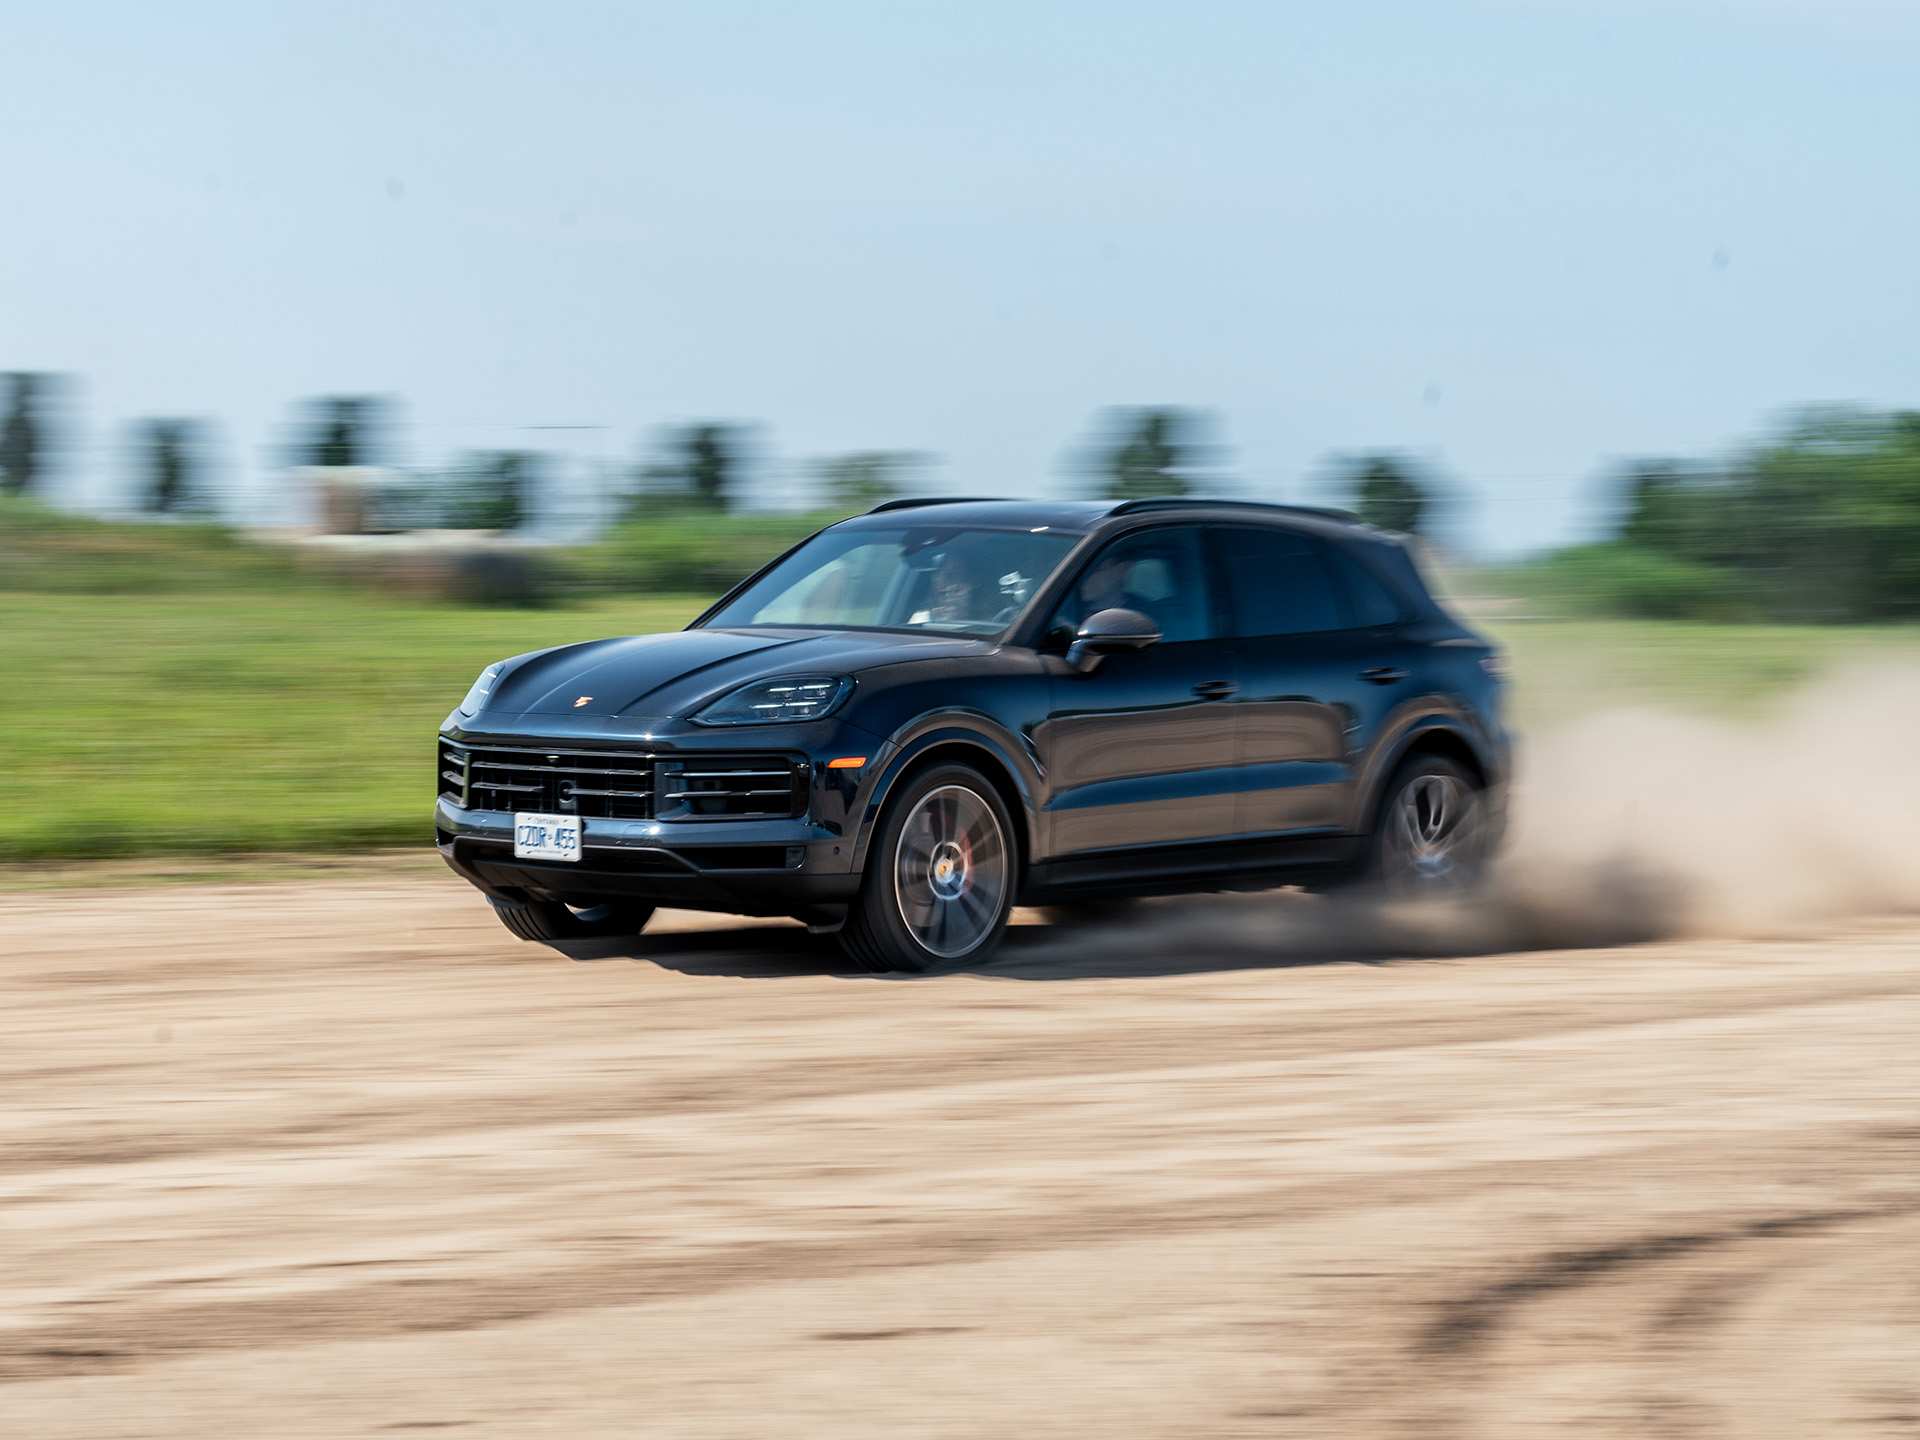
(676, 673)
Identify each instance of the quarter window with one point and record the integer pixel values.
(1367, 596)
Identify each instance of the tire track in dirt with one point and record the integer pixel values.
(1469, 1322)
(140, 1330)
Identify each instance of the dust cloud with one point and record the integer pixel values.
(1807, 813)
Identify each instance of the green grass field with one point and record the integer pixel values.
(173, 692)
(166, 723)
(1564, 667)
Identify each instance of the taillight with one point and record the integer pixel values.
(1495, 665)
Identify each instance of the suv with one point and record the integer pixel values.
(921, 715)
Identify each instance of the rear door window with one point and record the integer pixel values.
(1280, 581)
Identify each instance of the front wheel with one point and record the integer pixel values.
(1431, 838)
(548, 921)
(939, 877)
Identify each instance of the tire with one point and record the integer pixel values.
(1430, 837)
(940, 878)
(547, 922)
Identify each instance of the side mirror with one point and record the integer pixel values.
(1105, 632)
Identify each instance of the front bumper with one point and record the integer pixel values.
(802, 865)
(762, 867)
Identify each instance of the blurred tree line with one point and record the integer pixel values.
(169, 460)
(1821, 523)
(23, 444)
(1391, 492)
(1169, 452)
(695, 466)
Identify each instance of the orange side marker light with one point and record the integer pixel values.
(847, 762)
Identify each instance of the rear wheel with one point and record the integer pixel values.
(940, 875)
(1431, 838)
(548, 921)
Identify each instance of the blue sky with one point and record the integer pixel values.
(1520, 239)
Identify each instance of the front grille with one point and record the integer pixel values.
(702, 789)
(622, 785)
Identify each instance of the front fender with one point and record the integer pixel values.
(960, 730)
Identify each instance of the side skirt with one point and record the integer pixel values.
(1186, 869)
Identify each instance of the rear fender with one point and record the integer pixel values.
(1419, 722)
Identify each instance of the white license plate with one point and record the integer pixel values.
(546, 837)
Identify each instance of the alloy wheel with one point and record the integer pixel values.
(1431, 832)
(950, 871)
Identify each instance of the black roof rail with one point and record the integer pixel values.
(914, 502)
(1178, 502)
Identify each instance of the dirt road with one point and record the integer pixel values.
(340, 1158)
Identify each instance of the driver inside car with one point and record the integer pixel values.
(956, 592)
(956, 595)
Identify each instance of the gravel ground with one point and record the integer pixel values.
(339, 1157)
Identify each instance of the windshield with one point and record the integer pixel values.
(933, 577)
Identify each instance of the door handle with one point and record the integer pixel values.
(1215, 689)
(1384, 675)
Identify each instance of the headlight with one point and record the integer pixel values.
(481, 689)
(767, 702)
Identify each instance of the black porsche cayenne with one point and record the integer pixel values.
(919, 716)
